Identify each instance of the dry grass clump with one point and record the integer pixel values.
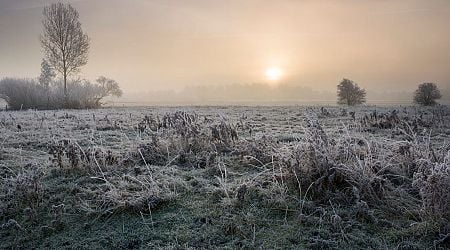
(191, 151)
(260, 152)
(183, 140)
(224, 132)
(180, 122)
(140, 191)
(433, 182)
(327, 166)
(406, 119)
(111, 182)
(22, 190)
(389, 121)
(155, 152)
(69, 154)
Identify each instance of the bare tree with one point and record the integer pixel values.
(64, 44)
(427, 94)
(107, 87)
(350, 93)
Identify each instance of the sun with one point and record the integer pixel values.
(274, 74)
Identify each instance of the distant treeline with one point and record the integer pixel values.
(261, 94)
(230, 94)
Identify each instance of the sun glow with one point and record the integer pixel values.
(274, 74)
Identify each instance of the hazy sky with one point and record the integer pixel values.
(168, 44)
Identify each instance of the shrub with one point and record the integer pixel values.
(28, 93)
(23, 93)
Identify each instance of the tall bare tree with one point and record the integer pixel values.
(64, 44)
(350, 93)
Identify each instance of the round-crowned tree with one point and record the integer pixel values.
(426, 94)
(350, 93)
(106, 87)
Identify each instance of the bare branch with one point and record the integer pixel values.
(64, 44)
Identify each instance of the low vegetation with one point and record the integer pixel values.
(30, 94)
(267, 177)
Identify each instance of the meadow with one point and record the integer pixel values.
(269, 177)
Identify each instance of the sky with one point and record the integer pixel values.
(156, 45)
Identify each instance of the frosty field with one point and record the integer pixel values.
(226, 177)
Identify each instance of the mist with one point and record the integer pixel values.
(194, 49)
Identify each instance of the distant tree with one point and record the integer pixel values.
(63, 41)
(47, 74)
(46, 78)
(106, 87)
(427, 94)
(350, 93)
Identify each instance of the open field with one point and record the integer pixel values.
(226, 177)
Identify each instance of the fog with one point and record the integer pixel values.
(218, 51)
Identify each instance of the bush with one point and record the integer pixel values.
(28, 93)
(23, 93)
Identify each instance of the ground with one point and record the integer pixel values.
(226, 177)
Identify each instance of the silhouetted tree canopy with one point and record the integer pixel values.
(427, 94)
(64, 44)
(350, 93)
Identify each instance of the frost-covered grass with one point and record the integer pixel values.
(228, 177)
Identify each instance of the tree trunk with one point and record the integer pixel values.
(66, 97)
